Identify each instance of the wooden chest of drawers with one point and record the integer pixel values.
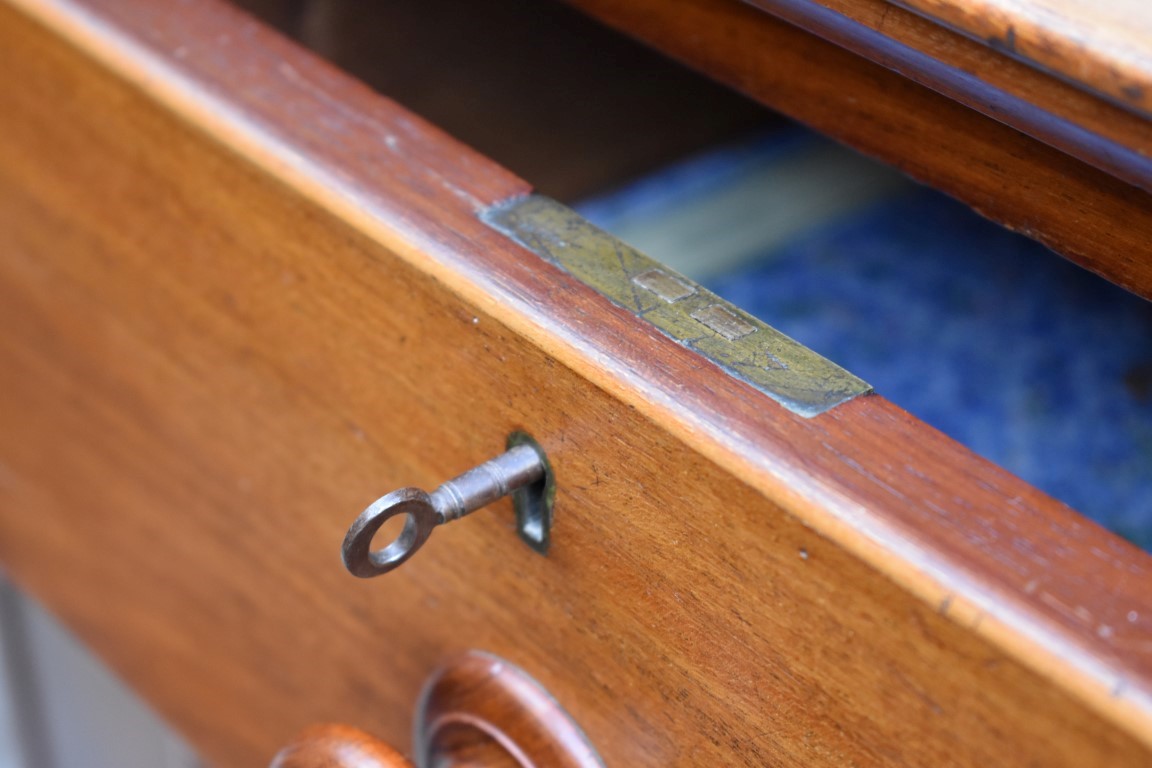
(243, 295)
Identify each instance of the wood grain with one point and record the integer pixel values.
(244, 296)
(1052, 111)
(1105, 46)
(1086, 215)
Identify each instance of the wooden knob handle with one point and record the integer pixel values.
(479, 710)
(338, 746)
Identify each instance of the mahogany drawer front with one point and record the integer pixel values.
(244, 296)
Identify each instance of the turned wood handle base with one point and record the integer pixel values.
(480, 710)
(338, 746)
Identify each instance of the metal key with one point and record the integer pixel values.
(520, 467)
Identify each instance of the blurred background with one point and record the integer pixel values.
(59, 706)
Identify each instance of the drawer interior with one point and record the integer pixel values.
(546, 91)
(1028, 360)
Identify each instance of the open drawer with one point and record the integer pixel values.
(244, 295)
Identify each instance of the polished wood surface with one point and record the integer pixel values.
(244, 296)
(338, 746)
(1105, 46)
(1037, 104)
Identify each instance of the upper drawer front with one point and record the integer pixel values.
(244, 296)
(1024, 148)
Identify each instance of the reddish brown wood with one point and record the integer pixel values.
(245, 296)
(484, 707)
(1055, 112)
(1082, 213)
(338, 746)
(1105, 46)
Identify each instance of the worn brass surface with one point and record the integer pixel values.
(780, 367)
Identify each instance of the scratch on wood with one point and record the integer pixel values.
(1078, 612)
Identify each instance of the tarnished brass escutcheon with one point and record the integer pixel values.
(780, 367)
